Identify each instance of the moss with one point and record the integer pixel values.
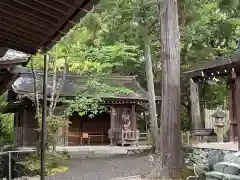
(186, 172)
(56, 170)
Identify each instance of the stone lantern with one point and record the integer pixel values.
(219, 122)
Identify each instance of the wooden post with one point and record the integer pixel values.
(134, 118)
(113, 124)
(237, 106)
(195, 107)
(15, 129)
(231, 111)
(66, 129)
(150, 82)
(24, 127)
(113, 114)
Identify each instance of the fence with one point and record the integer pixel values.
(10, 159)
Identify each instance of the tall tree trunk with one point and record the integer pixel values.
(170, 127)
(195, 107)
(150, 82)
(36, 100)
(54, 86)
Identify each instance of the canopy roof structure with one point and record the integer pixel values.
(29, 26)
(218, 67)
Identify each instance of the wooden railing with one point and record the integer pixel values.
(185, 137)
(124, 136)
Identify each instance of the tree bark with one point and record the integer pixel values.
(170, 126)
(195, 107)
(150, 82)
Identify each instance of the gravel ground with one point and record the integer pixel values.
(104, 168)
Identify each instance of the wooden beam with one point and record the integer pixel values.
(42, 11)
(62, 8)
(14, 21)
(3, 51)
(70, 3)
(7, 37)
(195, 107)
(23, 30)
(237, 106)
(26, 36)
(23, 37)
(16, 46)
(9, 12)
(30, 14)
(231, 111)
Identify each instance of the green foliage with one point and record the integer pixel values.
(89, 100)
(6, 125)
(110, 40)
(185, 121)
(52, 164)
(217, 92)
(206, 34)
(55, 128)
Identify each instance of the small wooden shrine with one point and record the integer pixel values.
(118, 126)
(228, 67)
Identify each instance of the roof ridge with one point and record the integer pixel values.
(109, 76)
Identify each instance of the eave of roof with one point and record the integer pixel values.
(29, 26)
(221, 66)
(24, 84)
(13, 58)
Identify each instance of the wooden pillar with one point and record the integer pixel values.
(231, 110)
(237, 106)
(24, 126)
(14, 134)
(113, 117)
(113, 125)
(134, 117)
(66, 130)
(195, 107)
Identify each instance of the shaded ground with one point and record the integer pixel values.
(104, 168)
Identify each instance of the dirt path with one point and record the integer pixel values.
(104, 168)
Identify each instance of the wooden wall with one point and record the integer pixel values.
(97, 125)
(26, 127)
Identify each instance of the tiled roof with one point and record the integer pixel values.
(24, 85)
(13, 55)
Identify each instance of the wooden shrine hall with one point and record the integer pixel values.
(229, 68)
(118, 125)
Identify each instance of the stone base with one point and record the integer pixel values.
(218, 164)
